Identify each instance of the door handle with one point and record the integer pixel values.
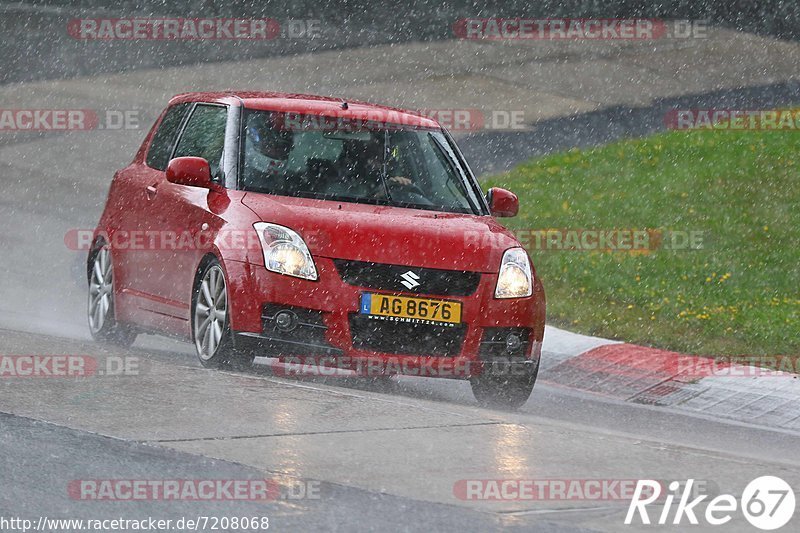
(151, 191)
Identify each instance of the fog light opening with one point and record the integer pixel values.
(513, 342)
(285, 320)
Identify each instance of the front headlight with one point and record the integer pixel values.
(285, 252)
(515, 279)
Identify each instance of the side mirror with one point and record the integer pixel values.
(502, 203)
(191, 171)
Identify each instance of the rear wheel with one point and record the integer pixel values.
(103, 324)
(210, 321)
(504, 392)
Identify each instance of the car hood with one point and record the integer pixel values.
(392, 235)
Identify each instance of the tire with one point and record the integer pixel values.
(211, 333)
(100, 311)
(503, 392)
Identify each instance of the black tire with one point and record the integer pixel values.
(101, 312)
(504, 392)
(223, 353)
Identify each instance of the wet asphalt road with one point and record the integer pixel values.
(38, 457)
(381, 456)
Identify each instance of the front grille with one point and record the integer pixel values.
(408, 279)
(493, 343)
(388, 336)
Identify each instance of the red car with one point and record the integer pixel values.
(315, 229)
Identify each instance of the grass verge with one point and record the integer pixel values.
(736, 295)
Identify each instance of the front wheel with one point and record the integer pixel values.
(210, 323)
(503, 392)
(103, 324)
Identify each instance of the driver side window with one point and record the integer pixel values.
(204, 135)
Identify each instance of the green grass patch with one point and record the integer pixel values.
(737, 295)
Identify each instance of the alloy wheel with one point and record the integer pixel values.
(211, 312)
(101, 290)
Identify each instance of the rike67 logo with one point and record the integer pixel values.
(767, 502)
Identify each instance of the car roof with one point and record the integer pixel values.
(309, 104)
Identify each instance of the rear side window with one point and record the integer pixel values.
(204, 135)
(164, 139)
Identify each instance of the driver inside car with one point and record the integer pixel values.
(374, 161)
(267, 151)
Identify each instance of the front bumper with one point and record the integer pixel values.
(331, 332)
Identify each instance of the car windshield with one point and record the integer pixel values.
(367, 162)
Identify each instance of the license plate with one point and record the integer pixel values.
(405, 308)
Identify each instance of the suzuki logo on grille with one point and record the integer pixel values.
(410, 280)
